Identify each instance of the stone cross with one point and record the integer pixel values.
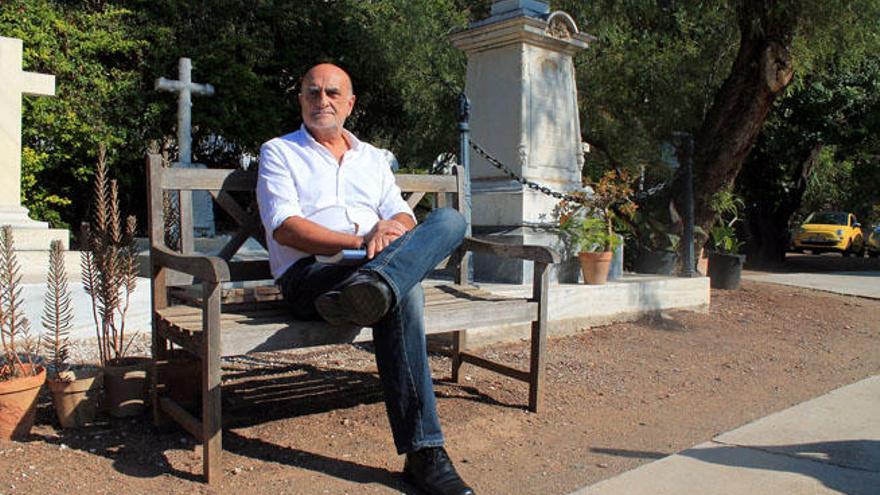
(196, 210)
(185, 88)
(14, 83)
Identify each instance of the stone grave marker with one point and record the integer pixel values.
(521, 82)
(30, 235)
(202, 207)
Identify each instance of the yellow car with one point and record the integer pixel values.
(830, 231)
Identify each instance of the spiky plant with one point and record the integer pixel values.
(109, 267)
(57, 312)
(15, 335)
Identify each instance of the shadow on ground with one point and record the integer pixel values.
(816, 461)
(252, 395)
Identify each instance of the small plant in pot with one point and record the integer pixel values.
(656, 246)
(586, 225)
(725, 262)
(21, 376)
(109, 276)
(75, 389)
(593, 244)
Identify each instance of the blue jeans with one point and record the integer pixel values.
(399, 337)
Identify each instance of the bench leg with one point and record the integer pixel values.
(211, 380)
(160, 355)
(536, 366)
(540, 293)
(459, 343)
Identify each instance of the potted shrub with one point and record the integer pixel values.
(593, 244)
(75, 390)
(725, 262)
(656, 246)
(21, 377)
(586, 225)
(109, 276)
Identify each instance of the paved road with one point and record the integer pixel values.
(830, 272)
(864, 284)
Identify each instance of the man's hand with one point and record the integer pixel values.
(383, 234)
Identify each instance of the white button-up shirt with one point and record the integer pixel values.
(300, 177)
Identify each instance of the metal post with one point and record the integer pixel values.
(464, 130)
(688, 147)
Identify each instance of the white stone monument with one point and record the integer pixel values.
(521, 82)
(202, 210)
(30, 235)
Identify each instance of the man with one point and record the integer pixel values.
(321, 190)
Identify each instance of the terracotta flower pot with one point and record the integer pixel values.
(595, 267)
(18, 404)
(75, 395)
(125, 384)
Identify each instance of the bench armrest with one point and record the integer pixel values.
(541, 254)
(207, 268)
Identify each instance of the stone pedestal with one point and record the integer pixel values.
(521, 81)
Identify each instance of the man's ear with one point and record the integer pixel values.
(351, 104)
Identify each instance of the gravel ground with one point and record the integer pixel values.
(617, 396)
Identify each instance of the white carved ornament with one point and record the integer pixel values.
(561, 26)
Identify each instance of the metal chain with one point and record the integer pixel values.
(522, 180)
(656, 189)
(550, 192)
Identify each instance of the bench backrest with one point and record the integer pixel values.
(226, 187)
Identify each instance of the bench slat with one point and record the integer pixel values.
(272, 329)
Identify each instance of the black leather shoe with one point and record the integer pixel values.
(432, 471)
(361, 299)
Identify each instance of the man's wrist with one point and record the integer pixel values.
(359, 242)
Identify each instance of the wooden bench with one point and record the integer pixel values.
(209, 319)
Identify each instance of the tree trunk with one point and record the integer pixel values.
(762, 69)
(768, 223)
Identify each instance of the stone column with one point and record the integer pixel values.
(521, 82)
(29, 234)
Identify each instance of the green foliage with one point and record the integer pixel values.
(724, 239)
(726, 205)
(652, 234)
(819, 148)
(106, 56)
(653, 69)
(587, 234)
(95, 56)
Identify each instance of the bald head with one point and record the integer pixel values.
(324, 71)
(326, 100)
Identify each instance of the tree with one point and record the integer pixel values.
(106, 55)
(819, 149)
(95, 60)
(711, 69)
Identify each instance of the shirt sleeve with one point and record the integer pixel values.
(277, 196)
(392, 202)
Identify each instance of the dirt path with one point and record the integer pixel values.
(617, 396)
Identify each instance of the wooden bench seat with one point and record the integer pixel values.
(267, 325)
(200, 312)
